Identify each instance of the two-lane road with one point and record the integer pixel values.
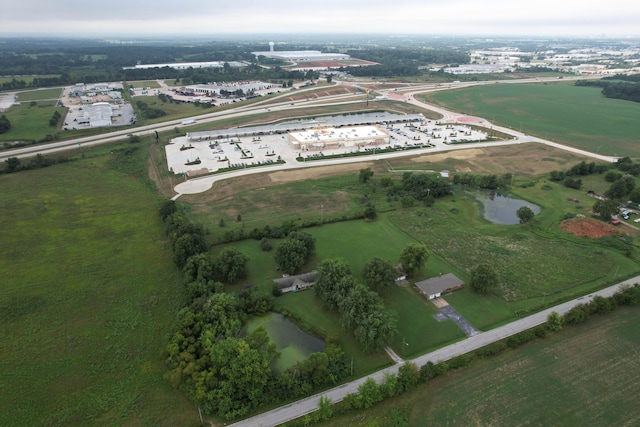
(305, 406)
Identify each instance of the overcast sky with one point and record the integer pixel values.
(455, 17)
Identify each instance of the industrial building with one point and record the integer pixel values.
(300, 55)
(187, 65)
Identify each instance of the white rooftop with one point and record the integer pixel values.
(344, 133)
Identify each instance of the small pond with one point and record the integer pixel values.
(292, 342)
(501, 209)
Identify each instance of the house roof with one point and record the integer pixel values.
(439, 284)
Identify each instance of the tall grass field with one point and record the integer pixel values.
(87, 297)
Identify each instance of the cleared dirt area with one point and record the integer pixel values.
(588, 227)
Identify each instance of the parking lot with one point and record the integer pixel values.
(210, 154)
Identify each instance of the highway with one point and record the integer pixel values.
(305, 406)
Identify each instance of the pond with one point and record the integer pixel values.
(292, 342)
(501, 209)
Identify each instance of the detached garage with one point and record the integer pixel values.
(436, 286)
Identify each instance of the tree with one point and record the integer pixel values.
(413, 258)
(357, 302)
(525, 214)
(330, 272)
(617, 190)
(307, 240)
(370, 212)
(365, 175)
(295, 251)
(290, 255)
(605, 209)
(554, 321)
(369, 393)
(483, 279)
(167, 208)
(187, 246)
(198, 268)
(377, 329)
(329, 78)
(379, 273)
(230, 265)
(324, 411)
(13, 164)
(5, 124)
(408, 376)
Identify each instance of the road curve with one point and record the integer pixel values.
(305, 406)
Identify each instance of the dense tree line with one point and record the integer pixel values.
(617, 87)
(413, 56)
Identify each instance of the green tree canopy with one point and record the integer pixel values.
(483, 279)
(379, 273)
(230, 265)
(290, 255)
(330, 273)
(605, 208)
(365, 175)
(413, 258)
(525, 214)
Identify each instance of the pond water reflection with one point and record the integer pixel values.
(501, 209)
(292, 342)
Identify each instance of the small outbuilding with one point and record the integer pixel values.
(436, 286)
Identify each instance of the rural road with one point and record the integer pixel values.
(305, 406)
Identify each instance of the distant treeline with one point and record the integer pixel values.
(619, 86)
(66, 62)
(403, 62)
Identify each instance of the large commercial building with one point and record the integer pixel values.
(300, 55)
(187, 65)
(334, 138)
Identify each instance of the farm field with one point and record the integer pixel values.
(579, 376)
(88, 296)
(572, 115)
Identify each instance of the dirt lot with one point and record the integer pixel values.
(589, 227)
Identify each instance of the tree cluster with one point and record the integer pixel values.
(489, 182)
(361, 310)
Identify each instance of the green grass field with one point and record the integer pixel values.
(40, 94)
(573, 115)
(89, 294)
(29, 122)
(584, 375)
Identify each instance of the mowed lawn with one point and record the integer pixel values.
(88, 296)
(584, 375)
(574, 115)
